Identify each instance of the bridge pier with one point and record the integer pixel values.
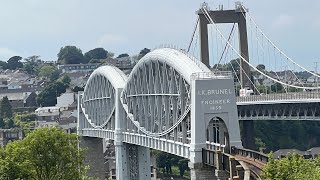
(94, 156)
(248, 136)
(132, 162)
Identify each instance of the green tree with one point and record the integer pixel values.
(261, 67)
(4, 65)
(31, 66)
(143, 52)
(66, 80)
(293, 167)
(5, 108)
(70, 55)
(97, 53)
(95, 61)
(123, 55)
(48, 97)
(55, 75)
(46, 154)
(183, 166)
(77, 88)
(14, 63)
(2, 124)
(110, 55)
(277, 87)
(10, 123)
(47, 71)
(234, 64)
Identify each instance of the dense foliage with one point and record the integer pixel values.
(5, 108)
(123, 55)
(293, 167)
(48, 96)
(46, 154)
(70, 55)
(166, 161)
(97, 53)
(143, 52)
(301, 135)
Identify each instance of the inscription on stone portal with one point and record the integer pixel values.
(214, 99)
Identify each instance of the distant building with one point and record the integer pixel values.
(19, 98)
(311, 153)
(66, 99)
(121, 63)
(313, 79)
(7, 135)
(71, 68)
(48, 114)
(46, 124)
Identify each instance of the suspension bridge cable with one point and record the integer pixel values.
(275, 45)
(257, 28)
(226, 46)
(212, 22)
(194, 32)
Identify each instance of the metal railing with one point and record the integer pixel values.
(280, 96)
(250, 154)
(212, 75)
(209, 157)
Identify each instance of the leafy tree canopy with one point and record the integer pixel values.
(97, 53)
(123, 55)
(14, 63)
(46, 71)
(46, 154)
(65, 80)
(143, 52)
(77, 88)
(31, 65)
(49, 72)
(48, 97)
(5, 108)
(293, 167)
(70, 55)
(261, 67)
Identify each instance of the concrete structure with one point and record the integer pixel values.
(170, 102)
(7, 135)
(229, 16)
(226, 16)
(71, 68)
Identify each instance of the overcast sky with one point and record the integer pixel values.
(42, 27)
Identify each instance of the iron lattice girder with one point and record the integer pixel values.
(281, 111)
(156, 96)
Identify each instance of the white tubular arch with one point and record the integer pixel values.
(156, 97)
(98, 102)
(183, 63)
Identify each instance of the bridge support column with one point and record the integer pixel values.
(121, 161)
(132, 161)
(248, 134)
(203, 172)
(94, 156)
(144, 163)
